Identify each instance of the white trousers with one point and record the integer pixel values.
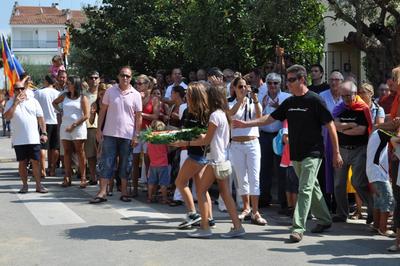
(245, 158)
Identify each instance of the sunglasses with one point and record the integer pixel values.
(94, 77)
(19, 88)
(273, 82)
(291, 80)
(125, 76)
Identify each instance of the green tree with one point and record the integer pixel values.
(155, 34)
(377, 32)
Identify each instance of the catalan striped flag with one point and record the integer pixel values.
(12, 68)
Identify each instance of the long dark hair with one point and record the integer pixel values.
(217, 100)
(77, 84)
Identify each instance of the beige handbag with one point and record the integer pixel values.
(222, 170)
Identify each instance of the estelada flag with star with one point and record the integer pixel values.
(12, 68)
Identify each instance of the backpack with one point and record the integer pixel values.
(277, 143)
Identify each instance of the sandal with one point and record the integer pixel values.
(83, 183)
(356, 216)
(245, 215)
(41, 189)
(23, 190)
(97, 200)
(66, 182)
(257, 219)
(125, 199)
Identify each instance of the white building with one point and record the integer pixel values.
(339, 55)
(34, 31)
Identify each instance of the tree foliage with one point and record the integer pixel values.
(153, 34)
(377, 24)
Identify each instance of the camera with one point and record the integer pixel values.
(254, 90)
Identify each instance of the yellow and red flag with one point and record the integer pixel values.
(12, 68)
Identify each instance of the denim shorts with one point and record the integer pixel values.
(159, 175)
(383, 198)
(113, 147)
(27, 152)
(200, 159)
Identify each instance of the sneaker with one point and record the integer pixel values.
(234, 233)
(387, 233)
(245, 215)
(319, 228)
(295, 237)
(200, 233)
(211, 223)
(190, 220)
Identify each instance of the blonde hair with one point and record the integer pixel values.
(157, 125)
(143, 77)
(368, 87)
(396, 75)
(197, 100)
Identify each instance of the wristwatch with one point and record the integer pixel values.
(43, 134)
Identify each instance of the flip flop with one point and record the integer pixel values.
(125, 199)
(23, 190)
(97, 200)
(42, 190)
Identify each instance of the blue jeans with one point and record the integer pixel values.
(113, 147)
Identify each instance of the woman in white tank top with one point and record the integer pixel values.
(73, 130)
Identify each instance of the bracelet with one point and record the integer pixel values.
(256, 102)
(43, 134)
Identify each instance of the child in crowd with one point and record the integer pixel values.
(378, 175)
(292, 181)
(57, 65)
(159, 169)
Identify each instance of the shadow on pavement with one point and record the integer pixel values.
(358, 261)
(339, 248)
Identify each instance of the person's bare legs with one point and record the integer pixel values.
(254, 203)
(151, 190)
(42, 162)
(202, 185)
(197, 180)
(246, 202)
(80, 151)
(223, 187)
(377, 218)
(52, 157)
(36, 174)
(383, 221)
(68, 149)
(187, 171)
(23, 172)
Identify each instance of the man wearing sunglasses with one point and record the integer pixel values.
(121, 113)
(306, 114)
(26, 114)
(90, 143)
(270, 161)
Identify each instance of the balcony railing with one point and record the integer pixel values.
(34, 44)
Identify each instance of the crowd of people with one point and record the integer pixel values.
(342, 141)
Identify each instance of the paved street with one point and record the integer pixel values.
(61, 228)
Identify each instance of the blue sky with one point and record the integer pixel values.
(6, 8)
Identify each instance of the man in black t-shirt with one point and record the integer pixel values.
(352, 121)
(306, 114)
(317, 86)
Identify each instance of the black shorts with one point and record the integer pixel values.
(27, 152)
(292, 181)
(53, 138)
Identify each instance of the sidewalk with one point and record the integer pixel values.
(7, 153)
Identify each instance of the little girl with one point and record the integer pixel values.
(158, 169)
(56, 66)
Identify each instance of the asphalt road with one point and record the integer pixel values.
(61, 228)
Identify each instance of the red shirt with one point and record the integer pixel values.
(158, 154)
(147, 109)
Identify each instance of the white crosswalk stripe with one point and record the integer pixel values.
(48, 210)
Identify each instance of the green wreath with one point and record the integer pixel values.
(167, 137)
